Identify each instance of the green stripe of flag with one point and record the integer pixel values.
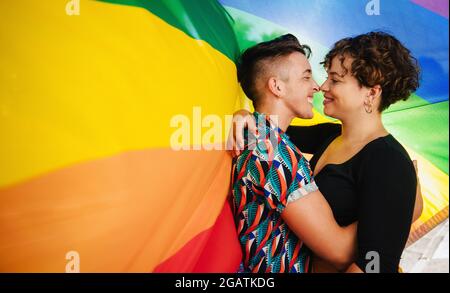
(203, 20)
(423, 129)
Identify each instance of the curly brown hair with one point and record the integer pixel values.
(379, 59)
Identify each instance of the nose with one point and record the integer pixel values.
(316, 87)
(324, 86)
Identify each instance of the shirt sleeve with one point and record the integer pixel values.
(310, 138)
(284, 175)
(385, 209)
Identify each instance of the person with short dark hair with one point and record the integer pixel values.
(279, 212)
(364, 173)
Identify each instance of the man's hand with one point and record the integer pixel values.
(241, 119)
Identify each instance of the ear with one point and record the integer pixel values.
(375, 92)
(373, 95)
(276, 86)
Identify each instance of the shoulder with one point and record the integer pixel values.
(387, 147)
(387, 173)
(387, 155)
(275, 148)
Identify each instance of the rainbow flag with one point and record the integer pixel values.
(88, 95)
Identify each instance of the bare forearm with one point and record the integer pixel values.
(345, 244)
(311, 219)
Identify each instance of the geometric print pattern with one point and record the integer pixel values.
(268, 174)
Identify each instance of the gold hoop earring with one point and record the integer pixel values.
(368, 107)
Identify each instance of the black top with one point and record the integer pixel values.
(376, 187)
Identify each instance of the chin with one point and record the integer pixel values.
(309, 115)
(330, 114)
(327, 112)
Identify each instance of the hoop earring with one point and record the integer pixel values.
(368, 108)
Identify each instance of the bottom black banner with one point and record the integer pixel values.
(211, 282)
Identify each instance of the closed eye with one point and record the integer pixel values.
(333, 81)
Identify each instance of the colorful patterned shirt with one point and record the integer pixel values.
(270, 173)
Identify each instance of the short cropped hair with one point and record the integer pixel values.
(251, 62)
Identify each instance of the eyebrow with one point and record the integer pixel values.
(307, 71)
(335, 73)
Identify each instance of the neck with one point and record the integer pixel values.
(363, 128)
(282, 120)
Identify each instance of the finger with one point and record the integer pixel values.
(236, 146)
(229, 144)
(239, 134)
(230, 140)
(251, 124)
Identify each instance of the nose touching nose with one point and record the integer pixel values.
(323, 87)
(316, 87)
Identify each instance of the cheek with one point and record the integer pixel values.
(302, 92)
(345, 97)
(337, 90)
(351, 104)
(296, 94)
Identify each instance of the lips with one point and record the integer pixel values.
(327, 100)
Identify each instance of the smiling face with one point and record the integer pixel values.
(344, 96)
(299, 87)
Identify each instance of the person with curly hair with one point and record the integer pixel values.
(363, 172)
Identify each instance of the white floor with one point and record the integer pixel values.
(430, 254)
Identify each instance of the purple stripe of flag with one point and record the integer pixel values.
(438, 6)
